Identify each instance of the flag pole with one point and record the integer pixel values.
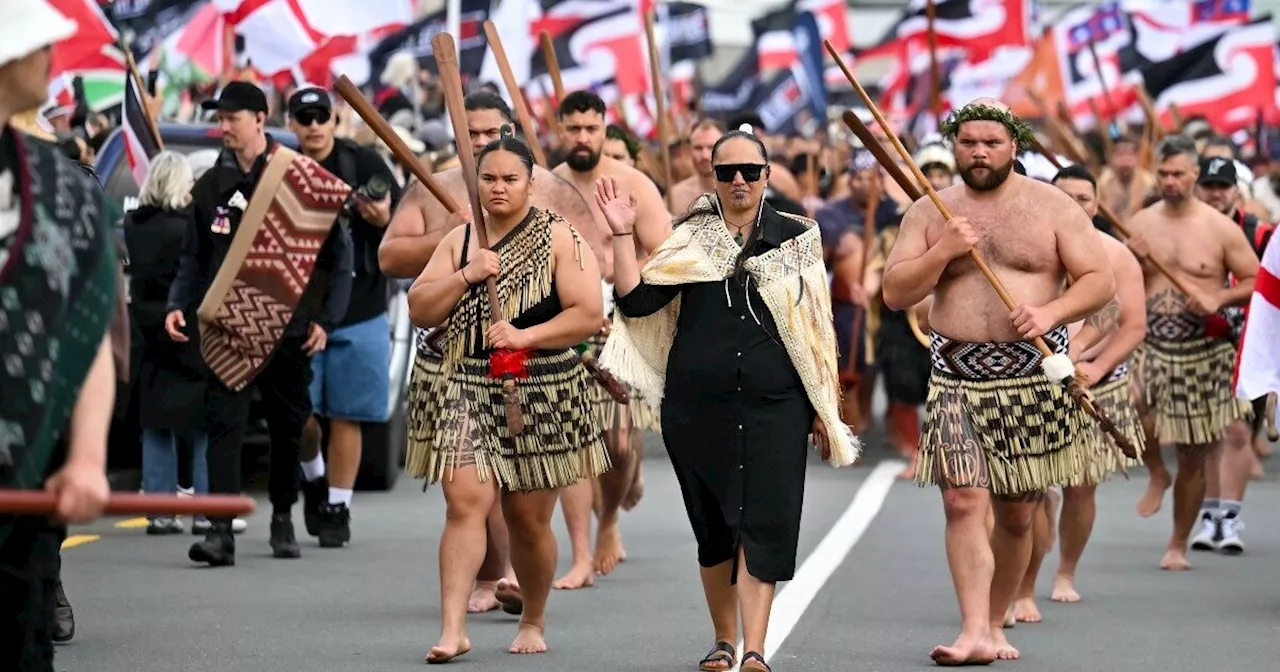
(660, 106)
(136, 78)
(935, 70)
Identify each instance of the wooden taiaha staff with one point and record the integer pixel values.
(41, 503)
(660, 105)
(1074, 389)
(557, 83)
(446, 55)
(1115, 222)
(908, 187)
(1102, 81)
(513, 90)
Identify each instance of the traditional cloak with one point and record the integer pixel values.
(792, 279)
(270, 264)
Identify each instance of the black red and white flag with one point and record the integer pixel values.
(140, 143)
(594, 40)
(1229, 80)
(416, 38)
(979, 27)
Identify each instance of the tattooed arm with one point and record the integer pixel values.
(1126, 313)
(1096, 327)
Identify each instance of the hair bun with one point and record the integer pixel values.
(506, 131)
(746, 128)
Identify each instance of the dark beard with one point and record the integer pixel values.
(995, 177)
(582, 163)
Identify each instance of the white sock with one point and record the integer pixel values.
(313, 468)
(340, 496)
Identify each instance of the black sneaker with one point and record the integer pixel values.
(315, 494)
(164, 525)
(218, 548)
(64, 623)
(335, 525)
(283, 543)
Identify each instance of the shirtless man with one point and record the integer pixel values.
(703, 137)
(1123, 184)
(582, 123)
(1101, 350)
(416, 229)
(981, 449)
(1186, 367)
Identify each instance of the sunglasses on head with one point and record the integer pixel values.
(750, 171)
(309, 117)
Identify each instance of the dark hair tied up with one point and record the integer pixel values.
(507, 142)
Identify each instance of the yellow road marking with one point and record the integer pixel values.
(132, 523)
(79, 540)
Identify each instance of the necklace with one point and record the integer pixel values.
(737, 237)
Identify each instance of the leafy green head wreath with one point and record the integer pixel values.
(1018, 128)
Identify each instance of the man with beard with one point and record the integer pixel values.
(1101, 349)
(1228, 470)
(416, 229)
(1185, 371)
(582, 126)
(702, 138)
(998, 432)
(1123, 184)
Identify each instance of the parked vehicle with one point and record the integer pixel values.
(384, 443)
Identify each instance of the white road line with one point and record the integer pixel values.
(791, 603)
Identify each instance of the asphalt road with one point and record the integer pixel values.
(872, 593)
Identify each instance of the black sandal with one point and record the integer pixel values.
(722, 652)
(752, 655)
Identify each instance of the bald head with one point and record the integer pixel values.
(987, 101)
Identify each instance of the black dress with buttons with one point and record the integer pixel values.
(735, 416)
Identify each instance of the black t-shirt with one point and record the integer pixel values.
(368, 284)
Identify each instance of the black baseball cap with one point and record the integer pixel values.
(236, 96)
(1219, 171)
(312, 97)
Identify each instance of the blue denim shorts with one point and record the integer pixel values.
(352, 374)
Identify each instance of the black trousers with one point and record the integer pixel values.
(285, 385)
(29, 567)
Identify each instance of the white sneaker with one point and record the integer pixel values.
(238, 526)
(1207, 538)
(1231, 544)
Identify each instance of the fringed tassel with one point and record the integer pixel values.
(1100, 453)
(423, 414)
(621, 354)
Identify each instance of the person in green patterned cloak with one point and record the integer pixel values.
(57, 295)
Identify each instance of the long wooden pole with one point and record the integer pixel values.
(1102, 81)
(446, 55)
(362, 107)
(553, 64)
(41, 503)
(1074, 389)
(513, 90)
(143, 95)
(660, 105)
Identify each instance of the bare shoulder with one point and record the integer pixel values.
(634, 179)
(1117, 252)
(1221, 223)
(1044, 196)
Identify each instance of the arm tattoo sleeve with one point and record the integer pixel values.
(1106, 318)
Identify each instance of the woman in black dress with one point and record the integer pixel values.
(729, 323)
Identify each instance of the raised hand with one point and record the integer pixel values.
(616, 204)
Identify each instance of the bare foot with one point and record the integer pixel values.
(1004, 650)
(966, 651)
(1175, 561)
(1025, 610)
(636, 492)
(482, 599)
(528, 639)
(608, 549)
(1064, 589)
(1009, 619)
(508, 595)
(1256, 470)
(447, 650)
(1151, 500)
(579, 576)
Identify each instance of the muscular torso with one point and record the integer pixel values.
(1018, 242)
(585, 183)
(1189, 245)
(550, 192)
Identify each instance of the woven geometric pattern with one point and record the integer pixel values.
(1121, 371)
(1014, 436)
(276, 271)
(1187, 386)
(985, 361)
(561, 441)
(1101, 455)
(1174, 327)
(423, 413)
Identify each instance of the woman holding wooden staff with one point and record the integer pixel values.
(548, 284)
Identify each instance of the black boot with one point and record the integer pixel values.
(218, 548)
(283, 543)
(64, 622)
(335, 525)
(315, 494)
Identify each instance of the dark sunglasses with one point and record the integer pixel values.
(309, 117)
(750, 171)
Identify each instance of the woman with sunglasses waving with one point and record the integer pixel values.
(729, 323)
(549, 287)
